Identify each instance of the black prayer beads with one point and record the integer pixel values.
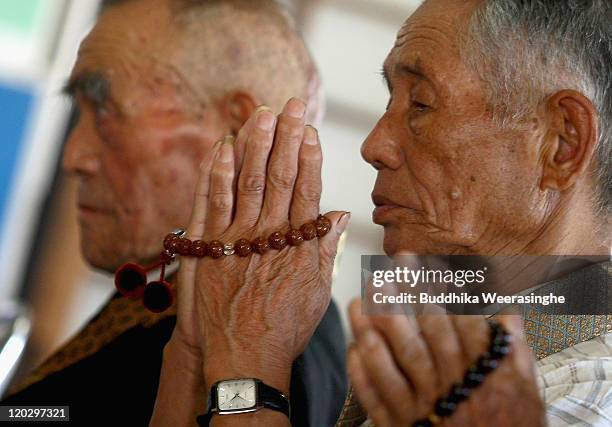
(473, 378)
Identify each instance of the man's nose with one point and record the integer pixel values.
(81, 152)
(380, 149)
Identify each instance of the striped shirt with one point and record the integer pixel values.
(576, 384)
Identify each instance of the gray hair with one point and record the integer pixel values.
(526, 50)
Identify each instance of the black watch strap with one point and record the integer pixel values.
(268, 397)
(204, 419)
(271, 398)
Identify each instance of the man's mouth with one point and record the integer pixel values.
(380, 200)
(386, 207)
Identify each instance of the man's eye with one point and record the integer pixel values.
(419, 106)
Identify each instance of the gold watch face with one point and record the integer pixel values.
(237, 395)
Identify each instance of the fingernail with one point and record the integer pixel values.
(226, 153)
(229, 139)
(295, 108)
(265, 120)
(262, 108)
(343, 222)
(311, 136)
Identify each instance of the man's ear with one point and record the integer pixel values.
(571, 140)
(236, 107)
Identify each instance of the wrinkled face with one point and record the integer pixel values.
(139, 139)
(450, 180)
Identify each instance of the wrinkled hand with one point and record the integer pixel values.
(255, 315)
(400, 365)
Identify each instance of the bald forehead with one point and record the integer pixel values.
(143, 24)
(445, 19)
(128, 53)
(432, 33)
(128, 41)
(428, 49)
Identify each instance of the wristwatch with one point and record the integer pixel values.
(242, 395)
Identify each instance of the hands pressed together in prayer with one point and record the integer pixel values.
(400, 365)
(253, 316)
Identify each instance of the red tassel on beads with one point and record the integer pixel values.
(131, 279)
(158, 296)
(131, 282)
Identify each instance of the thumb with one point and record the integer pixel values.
(328, 244)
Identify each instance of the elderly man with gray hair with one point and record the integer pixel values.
(528, 88)
(524, 88)
(496, 141)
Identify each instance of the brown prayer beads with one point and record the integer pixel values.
(294, 237)
(242, 247)
(215, 249)
(323, 226)
(175, 244)
(157, 296)
(277, 241)
(199, 248)
(260, 245)
(184, 247)
(309, 231)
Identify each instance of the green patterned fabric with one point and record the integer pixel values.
(548, 332)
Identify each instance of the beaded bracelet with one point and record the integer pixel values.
(157, 296)
(175, 243)
(473, 378)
